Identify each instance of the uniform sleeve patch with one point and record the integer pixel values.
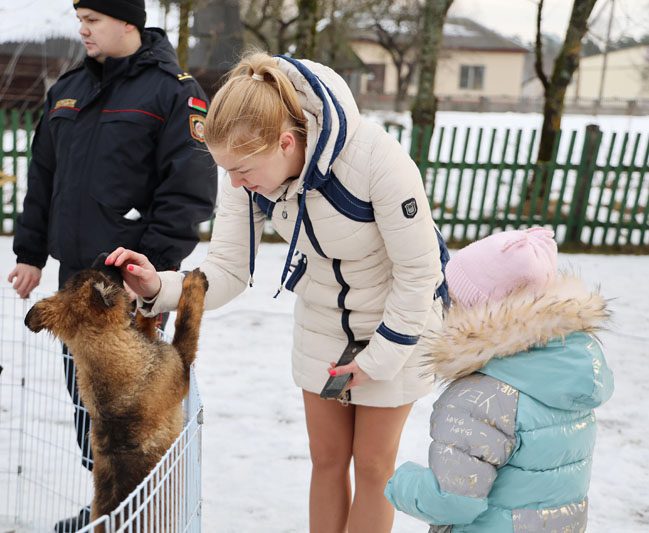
(197, 103)
(409, 208)
(197, 127)
(184, 76)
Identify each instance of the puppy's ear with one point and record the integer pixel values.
(103, 295)
(113, 273)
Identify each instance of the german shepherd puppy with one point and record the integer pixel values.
(131, 383)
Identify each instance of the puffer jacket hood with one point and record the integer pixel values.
(332, 116)
(536, 330)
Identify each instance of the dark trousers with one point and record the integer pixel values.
(81, 416)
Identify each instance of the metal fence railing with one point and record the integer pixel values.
(42, 479)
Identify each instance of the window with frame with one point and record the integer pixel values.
(375, 78)
(472, 77)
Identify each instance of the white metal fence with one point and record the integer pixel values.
(42, 479)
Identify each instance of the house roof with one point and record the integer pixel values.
(459, 34)
(629, 48)
(466, 34)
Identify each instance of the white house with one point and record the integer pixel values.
(474, 62)
(626, 77)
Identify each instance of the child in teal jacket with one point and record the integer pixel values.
(513, 434)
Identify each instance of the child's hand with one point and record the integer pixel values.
(358, 375)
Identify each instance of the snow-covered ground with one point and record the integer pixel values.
(255, 450)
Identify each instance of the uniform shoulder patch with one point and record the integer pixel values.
(175, 71)
(409, 208)
(197, 127)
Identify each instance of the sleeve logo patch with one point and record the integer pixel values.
(65, 103)
(409, 208)
(197, 127)
(197, 103)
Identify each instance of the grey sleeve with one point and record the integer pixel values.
(473, 432)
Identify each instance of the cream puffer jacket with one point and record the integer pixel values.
(369, 263)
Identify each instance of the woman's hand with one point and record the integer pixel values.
(138, 272)
(358, 375)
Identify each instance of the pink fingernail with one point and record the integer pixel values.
(332, 371)
(130, 268)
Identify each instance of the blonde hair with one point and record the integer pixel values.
(257, 103)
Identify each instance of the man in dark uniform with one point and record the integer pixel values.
(118, 159)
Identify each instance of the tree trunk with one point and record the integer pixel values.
(306, 29)
(425, 104)
(402, 88)
(555, 89)
(219, 39)
(332, 45)
(406, 69)
(183, 34)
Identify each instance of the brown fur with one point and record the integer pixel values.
(471, 337)
(131, 383)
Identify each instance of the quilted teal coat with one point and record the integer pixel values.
(514, 432)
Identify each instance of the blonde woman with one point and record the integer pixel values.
(344, 193)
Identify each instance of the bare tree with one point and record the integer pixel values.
(397, 28)
(425, 104)
(555, 87)
(254, 16)
(183, 33)
(270, 23)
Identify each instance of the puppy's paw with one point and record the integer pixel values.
(195, 281)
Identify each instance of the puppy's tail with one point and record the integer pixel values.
(189, 314)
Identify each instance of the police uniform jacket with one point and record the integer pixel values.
(118, 160)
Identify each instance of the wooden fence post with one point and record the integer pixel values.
(583, 184)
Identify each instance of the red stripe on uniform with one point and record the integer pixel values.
(134, 111)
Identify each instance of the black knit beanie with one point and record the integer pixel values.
(131, 11)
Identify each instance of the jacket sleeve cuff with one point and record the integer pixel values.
(384, 357)
(414, 490)
(31, 260)
(167, 299)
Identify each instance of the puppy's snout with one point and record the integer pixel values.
(33, 320)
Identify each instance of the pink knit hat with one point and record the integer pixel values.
(493, 267)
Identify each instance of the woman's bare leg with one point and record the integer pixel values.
(331, 433)
(377, 432)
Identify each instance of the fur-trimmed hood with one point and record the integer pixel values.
(541, 328)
